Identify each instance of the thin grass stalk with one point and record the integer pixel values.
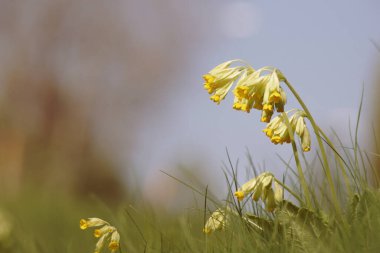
(322, 148)
(290, 191)
(340, 160)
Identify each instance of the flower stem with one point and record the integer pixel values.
(304, 185)
(321, 147)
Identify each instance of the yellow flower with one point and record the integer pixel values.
(114, 243)
(260, 90)
(91, 222)
(249, 91)
(100, 243)
(104, 230)
(261, 187)
(217, 221)
(272, 197)
(254, 185)
(105, 233)
(220, 79)
(278, 133)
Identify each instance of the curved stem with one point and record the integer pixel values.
(304, 185)
(321, 147)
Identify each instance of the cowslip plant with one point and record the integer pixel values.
(262, 89)
(104, 231)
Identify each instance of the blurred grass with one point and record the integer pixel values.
(47, 221)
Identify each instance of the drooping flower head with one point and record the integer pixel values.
(104, 231)
(220, 79)
(114, 241)
(260, 90)
(217, 221)
(261, 187)
(249, 91)
(278, 132)
(91, 222)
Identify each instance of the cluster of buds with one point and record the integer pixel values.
(217, 221)
(220, 80)
(261, 188)
(278, 132)
(258, 89)
(104, 231)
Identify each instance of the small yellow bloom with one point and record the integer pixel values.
(239, 195)
(114, 242)
(278, 132)
(217, 221)
(104, 230)
(220, 79)
(105, 233)
(91, 222)
(260, 90)
(249, 91)
(254, 185)
(261, 187)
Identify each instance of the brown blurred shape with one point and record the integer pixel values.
(77, 74)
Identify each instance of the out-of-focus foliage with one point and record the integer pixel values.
(76, 77)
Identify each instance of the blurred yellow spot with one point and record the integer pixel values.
(239, 195)
(83, 224)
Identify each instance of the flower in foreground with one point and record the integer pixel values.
(220, 79)
(278, 132)
(217, 221)
(261, 187)
(104, 231)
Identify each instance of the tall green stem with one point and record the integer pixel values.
(304, 185)
(321, 147)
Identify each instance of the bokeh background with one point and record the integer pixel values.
(97, 97)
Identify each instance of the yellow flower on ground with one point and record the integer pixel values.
(261, 187)
(220, 79)
(217, 221)
(105, 233)
(278, 133)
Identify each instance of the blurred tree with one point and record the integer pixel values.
(76, 77)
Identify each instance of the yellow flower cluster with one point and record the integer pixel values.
(259, 89)
(220, 80)
(217, 221)
(261, 187)
(104, 231)
(278, 133)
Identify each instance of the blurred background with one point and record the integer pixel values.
(97, 97)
